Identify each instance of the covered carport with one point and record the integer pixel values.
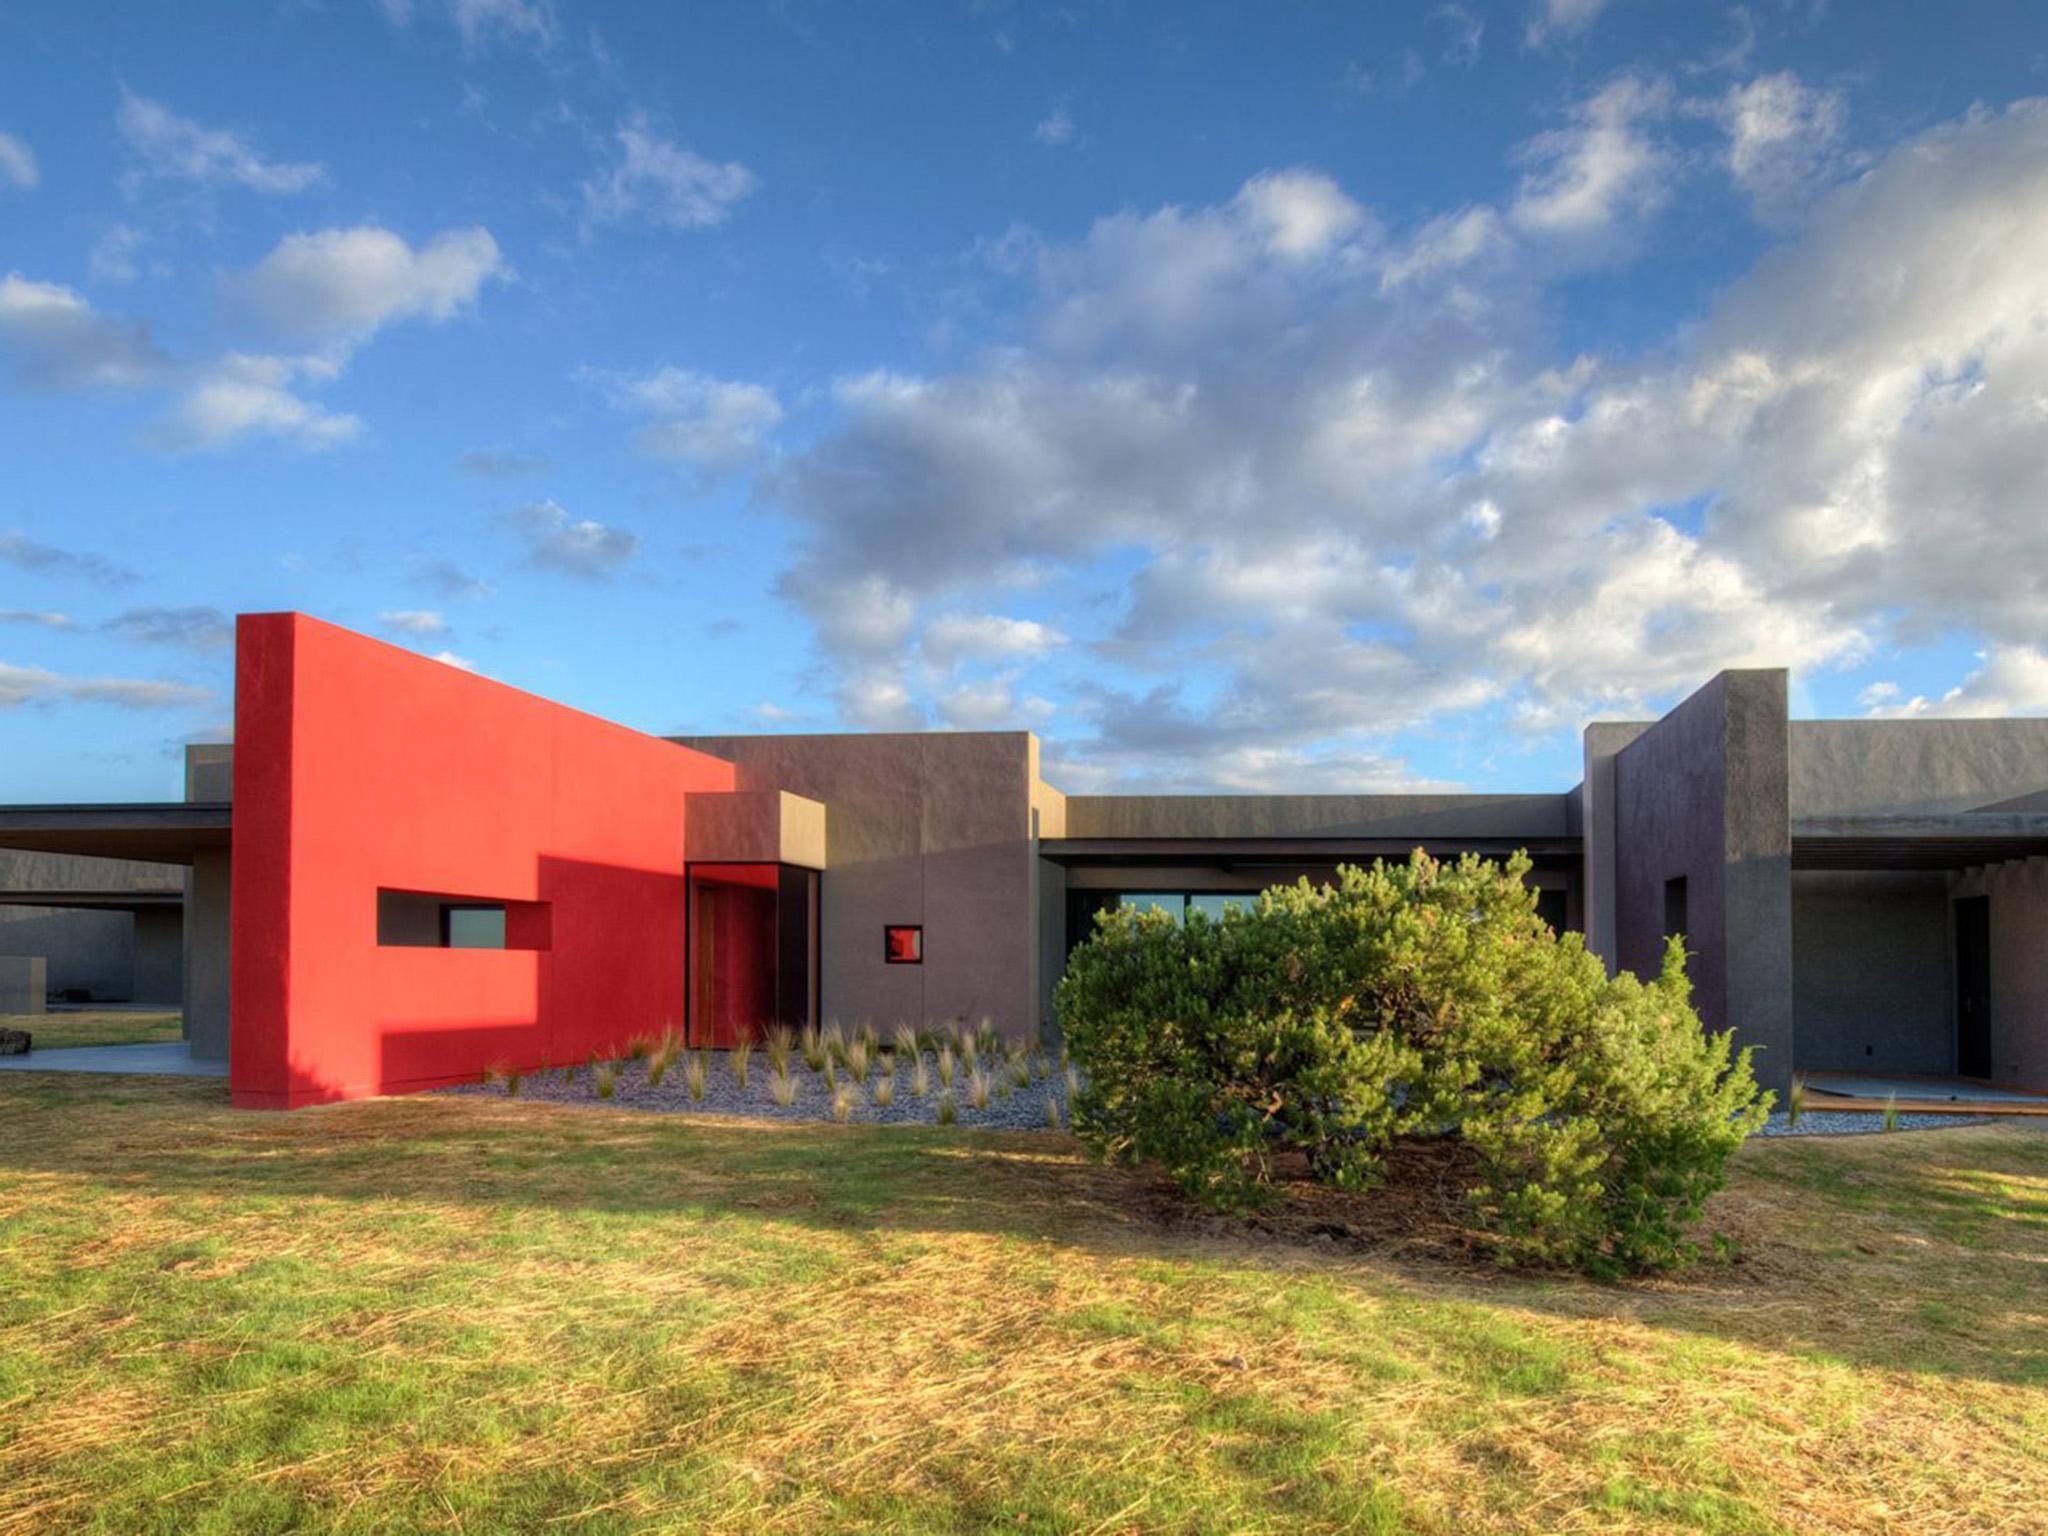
(1920, 945)
(187, 840)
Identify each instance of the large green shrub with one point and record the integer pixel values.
(1410, 1001)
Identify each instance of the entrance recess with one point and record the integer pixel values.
(752, 950)
(1973, 986)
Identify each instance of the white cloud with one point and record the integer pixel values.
(240, 395)
(54, 339)
(166, 147)
(1782, 138)
(340, 286)
(2012, 680)
(37, 685)
(661, 182)
(418, 623)
(952, 638)
(40, 618)
(113, 257)
(482, 22)
(450, 659)
(1301, 213)
(556, 541)
(197, 628)
(1462, 34)
(717, 425)
(449, 579)
(1584, 178)
(1561, 18)
(26, 554)
(17, 165)
(333, 289)
(1360, 494)
(1055, 128)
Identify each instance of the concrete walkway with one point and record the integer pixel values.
(156, 1058)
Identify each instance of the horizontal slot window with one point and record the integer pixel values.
(433, 920)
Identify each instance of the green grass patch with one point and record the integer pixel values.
(59, 1031)
(490, 1315)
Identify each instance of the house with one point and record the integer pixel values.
(402, 874)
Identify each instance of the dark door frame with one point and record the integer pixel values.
(1973, 986)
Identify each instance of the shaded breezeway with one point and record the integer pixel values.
(161, 1058)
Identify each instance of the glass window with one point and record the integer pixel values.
(1213, 905)
(473, 927)
(1172, 903)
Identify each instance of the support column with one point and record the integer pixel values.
(206, 954)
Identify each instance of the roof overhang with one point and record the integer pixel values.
(169, 833)
(1257, 852)
(754, 826)
(1958, 841)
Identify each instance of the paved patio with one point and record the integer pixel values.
(162, 1058)
(1938, 1095)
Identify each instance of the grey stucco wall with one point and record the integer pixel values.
(1899, 767)
(1594, 821)
(1702, 795)
(206, 954)
(159, 970)
(87, 950)
(104, 951)
(932, 829)
(1873, 985)
(2019, 967)
(24, 984)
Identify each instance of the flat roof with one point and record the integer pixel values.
(1251, 852)
(1958, 840)
(169, 832)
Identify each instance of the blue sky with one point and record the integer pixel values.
(1300, 396)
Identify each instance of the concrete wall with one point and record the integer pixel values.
(87, 950)
(207, 960)
(931, 829)
(761, 826)
(1595, 823)
(159, 969)
(24, 984)
(1701, 795)
(2019, 967)
(1873, 986)
(101, 949)
(1899, 767)
(1362, 816)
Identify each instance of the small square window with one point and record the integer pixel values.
(903, 944)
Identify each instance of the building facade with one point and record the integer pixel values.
(402, 874)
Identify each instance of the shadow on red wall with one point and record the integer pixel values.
(360, 767)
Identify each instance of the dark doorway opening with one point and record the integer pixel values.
(1973, 986)
(753, 950)
(1676, 918)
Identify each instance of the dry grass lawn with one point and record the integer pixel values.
(476, 1314)
(55, 1031)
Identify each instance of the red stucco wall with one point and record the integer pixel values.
(360, 765)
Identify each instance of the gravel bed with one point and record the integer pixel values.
(1839, 1122)
(1023, 1110)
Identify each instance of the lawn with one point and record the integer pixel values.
(483, 1314)
(52, 1031)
